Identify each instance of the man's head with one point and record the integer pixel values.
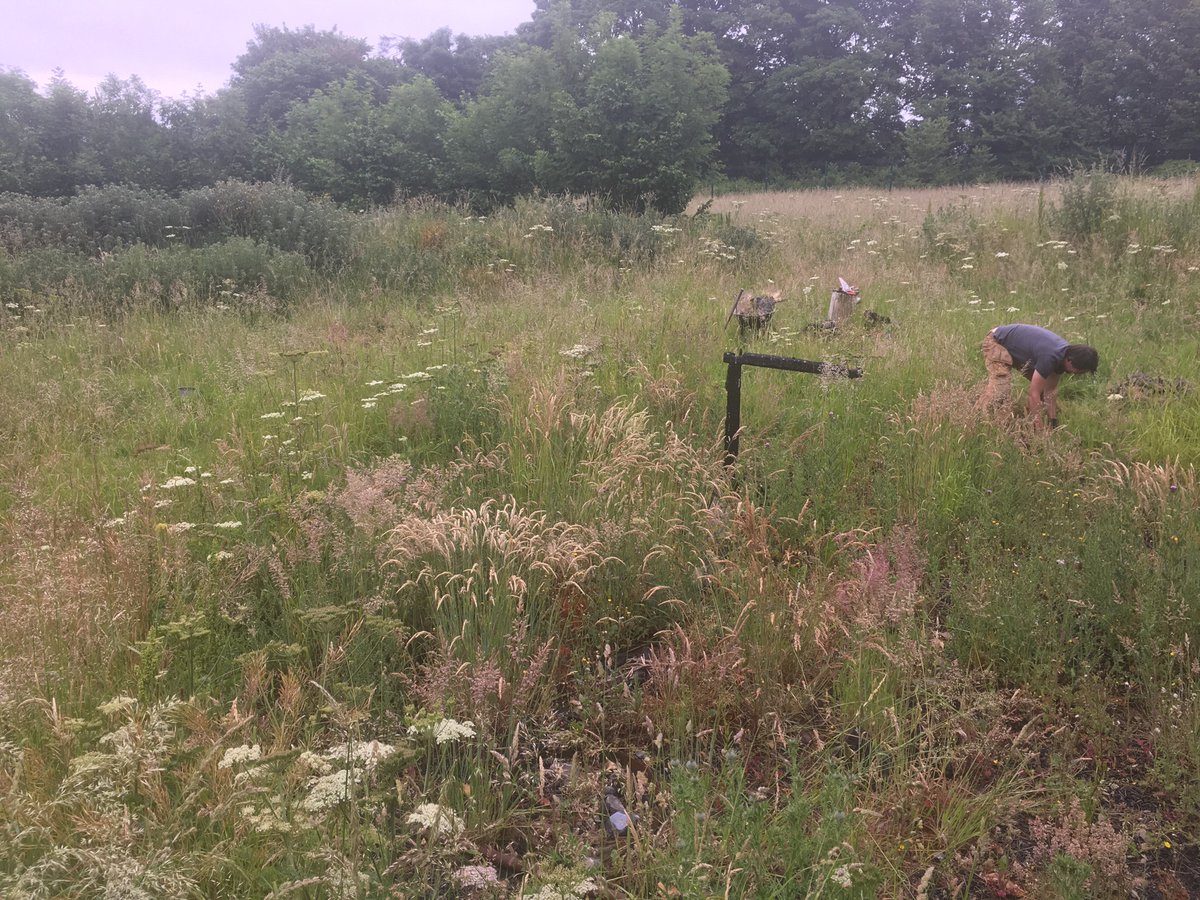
(1081, 358)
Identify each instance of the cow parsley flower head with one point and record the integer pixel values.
(438, 819)
(236, 756)
(330, 790)
(477, 877)
(366, 754)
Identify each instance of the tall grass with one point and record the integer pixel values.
(405, 574)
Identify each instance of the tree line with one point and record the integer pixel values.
(636, 101)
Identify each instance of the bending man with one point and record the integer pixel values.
(1042, 357)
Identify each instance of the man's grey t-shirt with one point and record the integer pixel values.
(1033, 349)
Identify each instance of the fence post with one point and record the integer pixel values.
(733, 407)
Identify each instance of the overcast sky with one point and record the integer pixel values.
(188, 45)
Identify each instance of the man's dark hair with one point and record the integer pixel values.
(1083, 357)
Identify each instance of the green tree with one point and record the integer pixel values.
(495, 144)
(21, 160)
(282, 66)
(641, 133)
(456, 64)
(413, 124)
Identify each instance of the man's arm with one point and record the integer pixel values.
(1043, 391)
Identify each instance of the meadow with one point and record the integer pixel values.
(410, 568)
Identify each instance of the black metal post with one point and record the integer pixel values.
(733, 386)
(733, 407)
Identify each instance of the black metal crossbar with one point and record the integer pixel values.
(733, 386)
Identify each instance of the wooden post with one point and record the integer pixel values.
(841, 307)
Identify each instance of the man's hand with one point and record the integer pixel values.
(1043, 393)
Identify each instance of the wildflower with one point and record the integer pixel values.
(579, 351)
(419, 376)
(841, 876)
(477, 877)
(314, 762)
(431, 817)
(309, 396)
(374, 383)
(429, 331)
(330, 790)
(227, 526)
(113, 523)
(180, 527)
(221, 555)
(1013, 309)
(236, 756)
(271, 415)
(366, 754)
(162, 504)
(448, 730)
(1061, 264)
(567, 892)
(1001, 255)
(178, 481)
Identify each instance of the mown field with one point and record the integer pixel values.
(394, 556)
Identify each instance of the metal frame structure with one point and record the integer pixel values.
(733, 386)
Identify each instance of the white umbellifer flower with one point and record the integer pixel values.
(361, 753)
(424, 343)
(222, 555)
(419, 376)
(397, 387)
(235, 756)
(176, 482)
(1014, 309)
(309, 396)
(1001, 255)
(190, 470)
(429, 331)
(271, 415)
(374, 383)
(227, 525)
(567, 892)
(841, 875)
(449, 730)
(162, 504)
(314, 762)
(477, 876)
(330, 790)
(368, 404)
(113, 523)
(431, 817)
(579, 351)
(180, 527)
(1116, 396)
